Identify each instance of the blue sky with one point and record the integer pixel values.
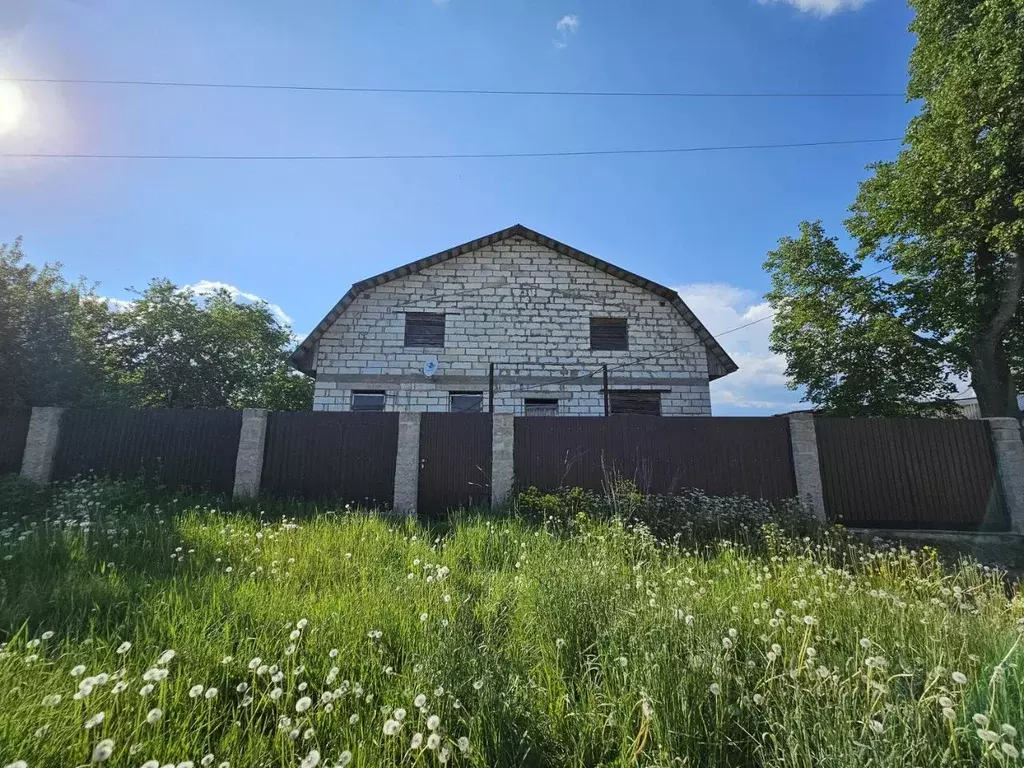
(298, 234)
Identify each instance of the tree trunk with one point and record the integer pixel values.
(990, 370)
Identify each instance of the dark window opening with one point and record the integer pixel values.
(367, 401)
(466, 402)
(609, 333)
(424, 329)
(635, 402)
(536, 406)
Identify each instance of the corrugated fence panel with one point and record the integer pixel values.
(721, 456)
(321, 455)
(175, 447)
(910, 473)
(455, 462)
(13, 430)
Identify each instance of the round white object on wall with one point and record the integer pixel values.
(430, 366)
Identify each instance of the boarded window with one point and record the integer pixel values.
(424, 329)
(466, 402)
(608, 333)
(368, 401)
(637, 402)
(536, 406)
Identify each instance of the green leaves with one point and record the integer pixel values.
(948, 215)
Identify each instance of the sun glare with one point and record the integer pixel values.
(12, 105)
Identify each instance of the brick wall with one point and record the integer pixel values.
(526, 309)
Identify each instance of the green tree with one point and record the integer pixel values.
(843, 335)
(178, 350)
(52, 335)
(948, 216)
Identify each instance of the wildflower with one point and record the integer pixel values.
(41, 731)
(560, 643)
(95, 720)
(439, 691)
(726, 643)
(52, 700)
(478, 684)
(103, 750)
(47, 634)
(433, 723)
(622, 661)
(154, 715)
(420, 701)
(242, 687)
(423, 616)
(333, 653)
(463, 744)
(207, 761)
(211, 693)
(417, 741)
(344, 758)
(986, 735)
(876, 726)
(78, 670)
(276, 694)
(810, 621)
(165, 657)
(303, 704)
(945, 701)
(959, 678)
(391, 727)
(1009, 750)
(123, 648)
(254, 663)
(758, 699)
(1008, 730)
(733, 633)
(980, 720)
(227, 660)
(716, 689)
(399, 714)
(146, 689)
(353, 719)
(433, 741)
(865, 643)
(311, 760)
(151, 764)
(17, 764)
(301, 623)
(119, 687)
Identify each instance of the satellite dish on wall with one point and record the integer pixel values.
(430, 366)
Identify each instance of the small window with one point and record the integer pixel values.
(367, 401)
(635, 402)
(424, 329)
(541, 407)
(608, 333)
(466, 402)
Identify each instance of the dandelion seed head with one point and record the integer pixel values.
(103, 750)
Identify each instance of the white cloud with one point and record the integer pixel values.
(566, 28)
(208, 287)
(760, 383)
(116, 305)
(820, 7)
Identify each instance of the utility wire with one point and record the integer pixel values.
(464, 91)
(665, 353)
(453, 156)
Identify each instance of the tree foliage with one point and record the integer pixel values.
(948, 216)
(60, 344)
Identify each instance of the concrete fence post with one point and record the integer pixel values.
(41, 444)
(407, 464)
(249, 465)
(1009, 451)
(502, 458)
(804, 446)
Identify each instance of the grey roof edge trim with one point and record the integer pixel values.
(301, 358)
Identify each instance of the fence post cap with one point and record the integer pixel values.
(254, 412)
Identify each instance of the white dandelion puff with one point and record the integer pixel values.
(876, 726)
(303, 704)
(123, 648)
(391, 727)
(78, 670)
(988, 736)
(959, 678)
(715, 689)
(416, 741)
(980, 720)
(103, 750)
(1008, 730)
(154, 715)
(344, 758)
(165, 657)
(211, 693)
(433, 723)
(195, 691)
(433, 741)
(311, 760)
(1009, 750)
(95, 720)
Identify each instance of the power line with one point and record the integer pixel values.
(665, 353)
(465, 91)
(444, 156)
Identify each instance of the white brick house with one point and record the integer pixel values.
(548, 318)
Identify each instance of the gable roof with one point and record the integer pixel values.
(719, 362)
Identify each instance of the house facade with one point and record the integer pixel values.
(548, 329)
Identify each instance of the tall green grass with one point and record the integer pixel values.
(588, 645)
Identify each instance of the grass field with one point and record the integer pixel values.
(163, 634)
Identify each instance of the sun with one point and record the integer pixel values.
(12, 105)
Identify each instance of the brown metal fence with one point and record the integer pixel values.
(175, 447)
(910, 473)
(13, 429)
(721, 456)
(455, 462)
(331, 456)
